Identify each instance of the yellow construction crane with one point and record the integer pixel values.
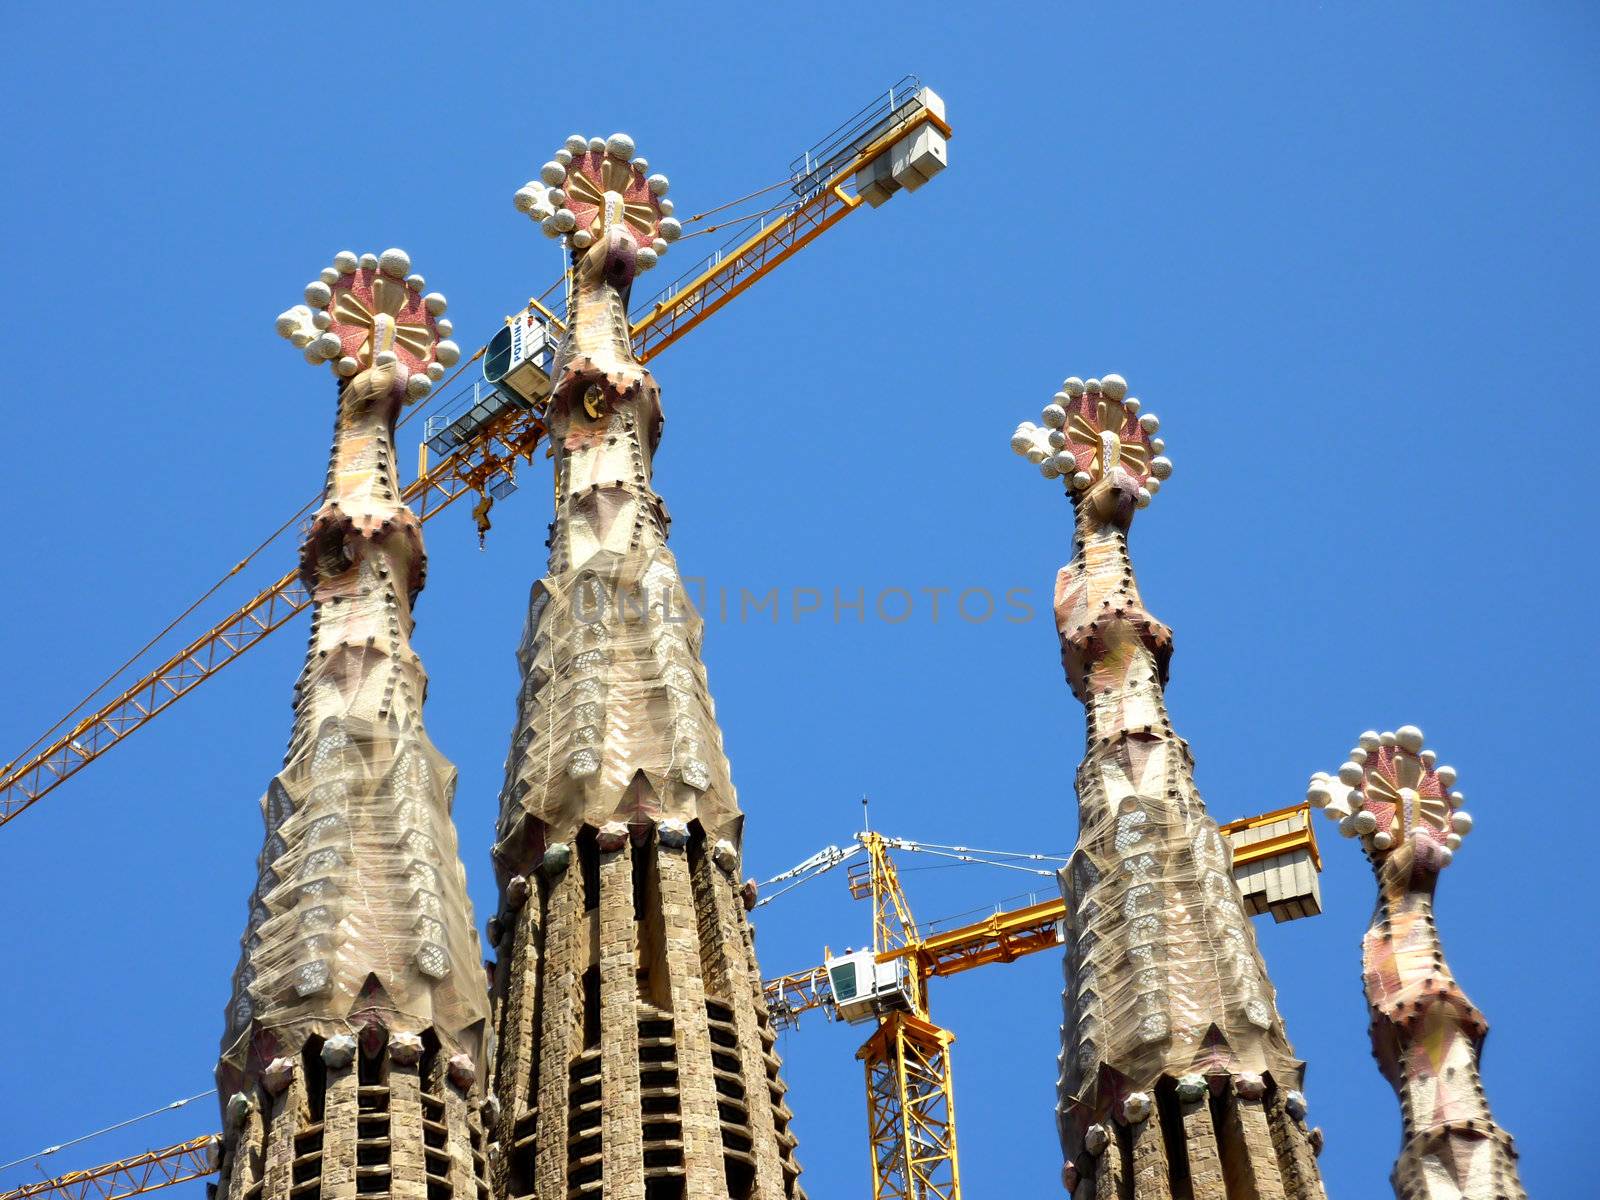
(863, 161)
(911, 1126)
(911, 1119)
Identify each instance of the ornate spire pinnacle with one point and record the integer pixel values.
(359, 996)
(1096, 442)
(595, 193)
(369, 311)
(1177, 1078)
(635, 1052)
(1395, 796)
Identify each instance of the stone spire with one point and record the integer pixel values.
(1177, 1079)
(355, 1034)
(635, 1057)
(1426, 1035)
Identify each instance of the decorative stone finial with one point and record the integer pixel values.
(1096, 442)
(596, 192)
(369, 311)
(1391, 791)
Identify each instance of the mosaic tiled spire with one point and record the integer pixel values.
(356, 1031)
(1177, 1079)
(1426, 1035)
(635, 1054)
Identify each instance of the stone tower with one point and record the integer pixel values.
(1177, 1079)
(352, 1057)
(635, 1058)
(1426, 1035)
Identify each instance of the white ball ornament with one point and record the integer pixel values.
(1056, 438)
(436, 371)
(1152, 485)
(447, 352)
(368, 262)
(1446, 856)
(1161, 466)
(318, 293)
(597, 145)
(395, 263)
(556, 197)
(346, 261)
(385, 358)
(548, 225)
(666, 206)
(1452, 841)
(418, 386)
(1351, 774)
(1386, 738)
(288, 321)
(670, 229)
(416, 283)
(301, 337)
(1142, 497)
(1364, 822)
(641, 165)
(1065, 463)
(322, 318)
(328, 345)
(1369, 740)
(1461, 822)
(445, 326)
(658, 184)
(1446, 775)
(1457, 799)
(524, 199)
(1054, 416)
(582, 239)
(1021, 440)
(646, 258)
(1072, 386)
(1114, 387)
(313, 356)
(330, 276)
(435, 303)
(1047, 468)
(1319, 793)
(1383, 839)
(347, 366)
(1036, 453)
(553, 173)
(1131, 406)
(1347, 827)
(620, 145)
(1092, 385)
(562, 156)
(659, 245)
(1409, 738)
(577, 144)
(565, 220)
(1358, 755)
(1158, 445)
(1428, 758)
(1149, 422)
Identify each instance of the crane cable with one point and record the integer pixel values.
(154, 1112)
(211, 591)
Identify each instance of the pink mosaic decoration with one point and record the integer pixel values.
(370, 311)
(593, 185)
(1392, 790)
(1093, 428)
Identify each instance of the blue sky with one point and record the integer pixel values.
(1347, 252)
